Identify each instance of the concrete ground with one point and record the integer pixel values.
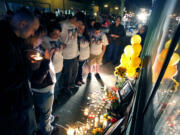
(70, 108)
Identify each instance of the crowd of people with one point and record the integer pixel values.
(43, 59)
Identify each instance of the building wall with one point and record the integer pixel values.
(52, 4)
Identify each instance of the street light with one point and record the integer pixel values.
(95, 14)
(106, 5)
(143, 15)
(116, 8)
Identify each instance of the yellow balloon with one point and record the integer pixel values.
(174, 59)
(168, 44)
(125, 61)
(128, 50)
(135, 62)
(136, 39)
(136, 49)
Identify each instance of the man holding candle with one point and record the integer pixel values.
(16, 115)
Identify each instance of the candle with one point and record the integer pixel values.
(88, 126)
(86, 111)
(96, 122)
(70, 131)
(101, 119)
(104, 123)
(36, 56)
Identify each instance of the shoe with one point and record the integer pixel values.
(82, 82)
(74, 89)
(89, 76)
(79, 83)
(67, 92)
(98, 76)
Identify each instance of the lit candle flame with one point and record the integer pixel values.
(70, 131)
(104, 123)
(37, 56)
(86, 111)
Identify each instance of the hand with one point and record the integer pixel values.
(34, 56)
(63, 46)
(114, 35)
(56, 50)
(48, 54)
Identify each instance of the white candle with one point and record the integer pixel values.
(86, 111)
(104, 87)
(101, 119)
(104, 123)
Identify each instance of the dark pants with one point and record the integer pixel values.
(57, 85)
(43, 103)
(18, 123)
(80, 69)
(113, 53)
(69, 73)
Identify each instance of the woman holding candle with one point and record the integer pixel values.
(42, 81)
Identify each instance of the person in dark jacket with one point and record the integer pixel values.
(116, 36)
(16, 115)
(142, 32)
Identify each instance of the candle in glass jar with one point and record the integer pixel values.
(86, 111)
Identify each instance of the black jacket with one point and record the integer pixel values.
(15, 92)
(120, 31)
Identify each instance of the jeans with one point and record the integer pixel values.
(113, 53)
(57, 85)
(80, 69)
(69, 73)
(18, 123)
(43, 103)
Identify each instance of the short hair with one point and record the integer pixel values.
(20, 15)
(52, 26)
(119, 17)
(24, 14)
(80, 17)
(97, 26)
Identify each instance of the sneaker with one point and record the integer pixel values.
(82, 82)
(79, 83)
(89, 76)
(98, 76)
(68, 91)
